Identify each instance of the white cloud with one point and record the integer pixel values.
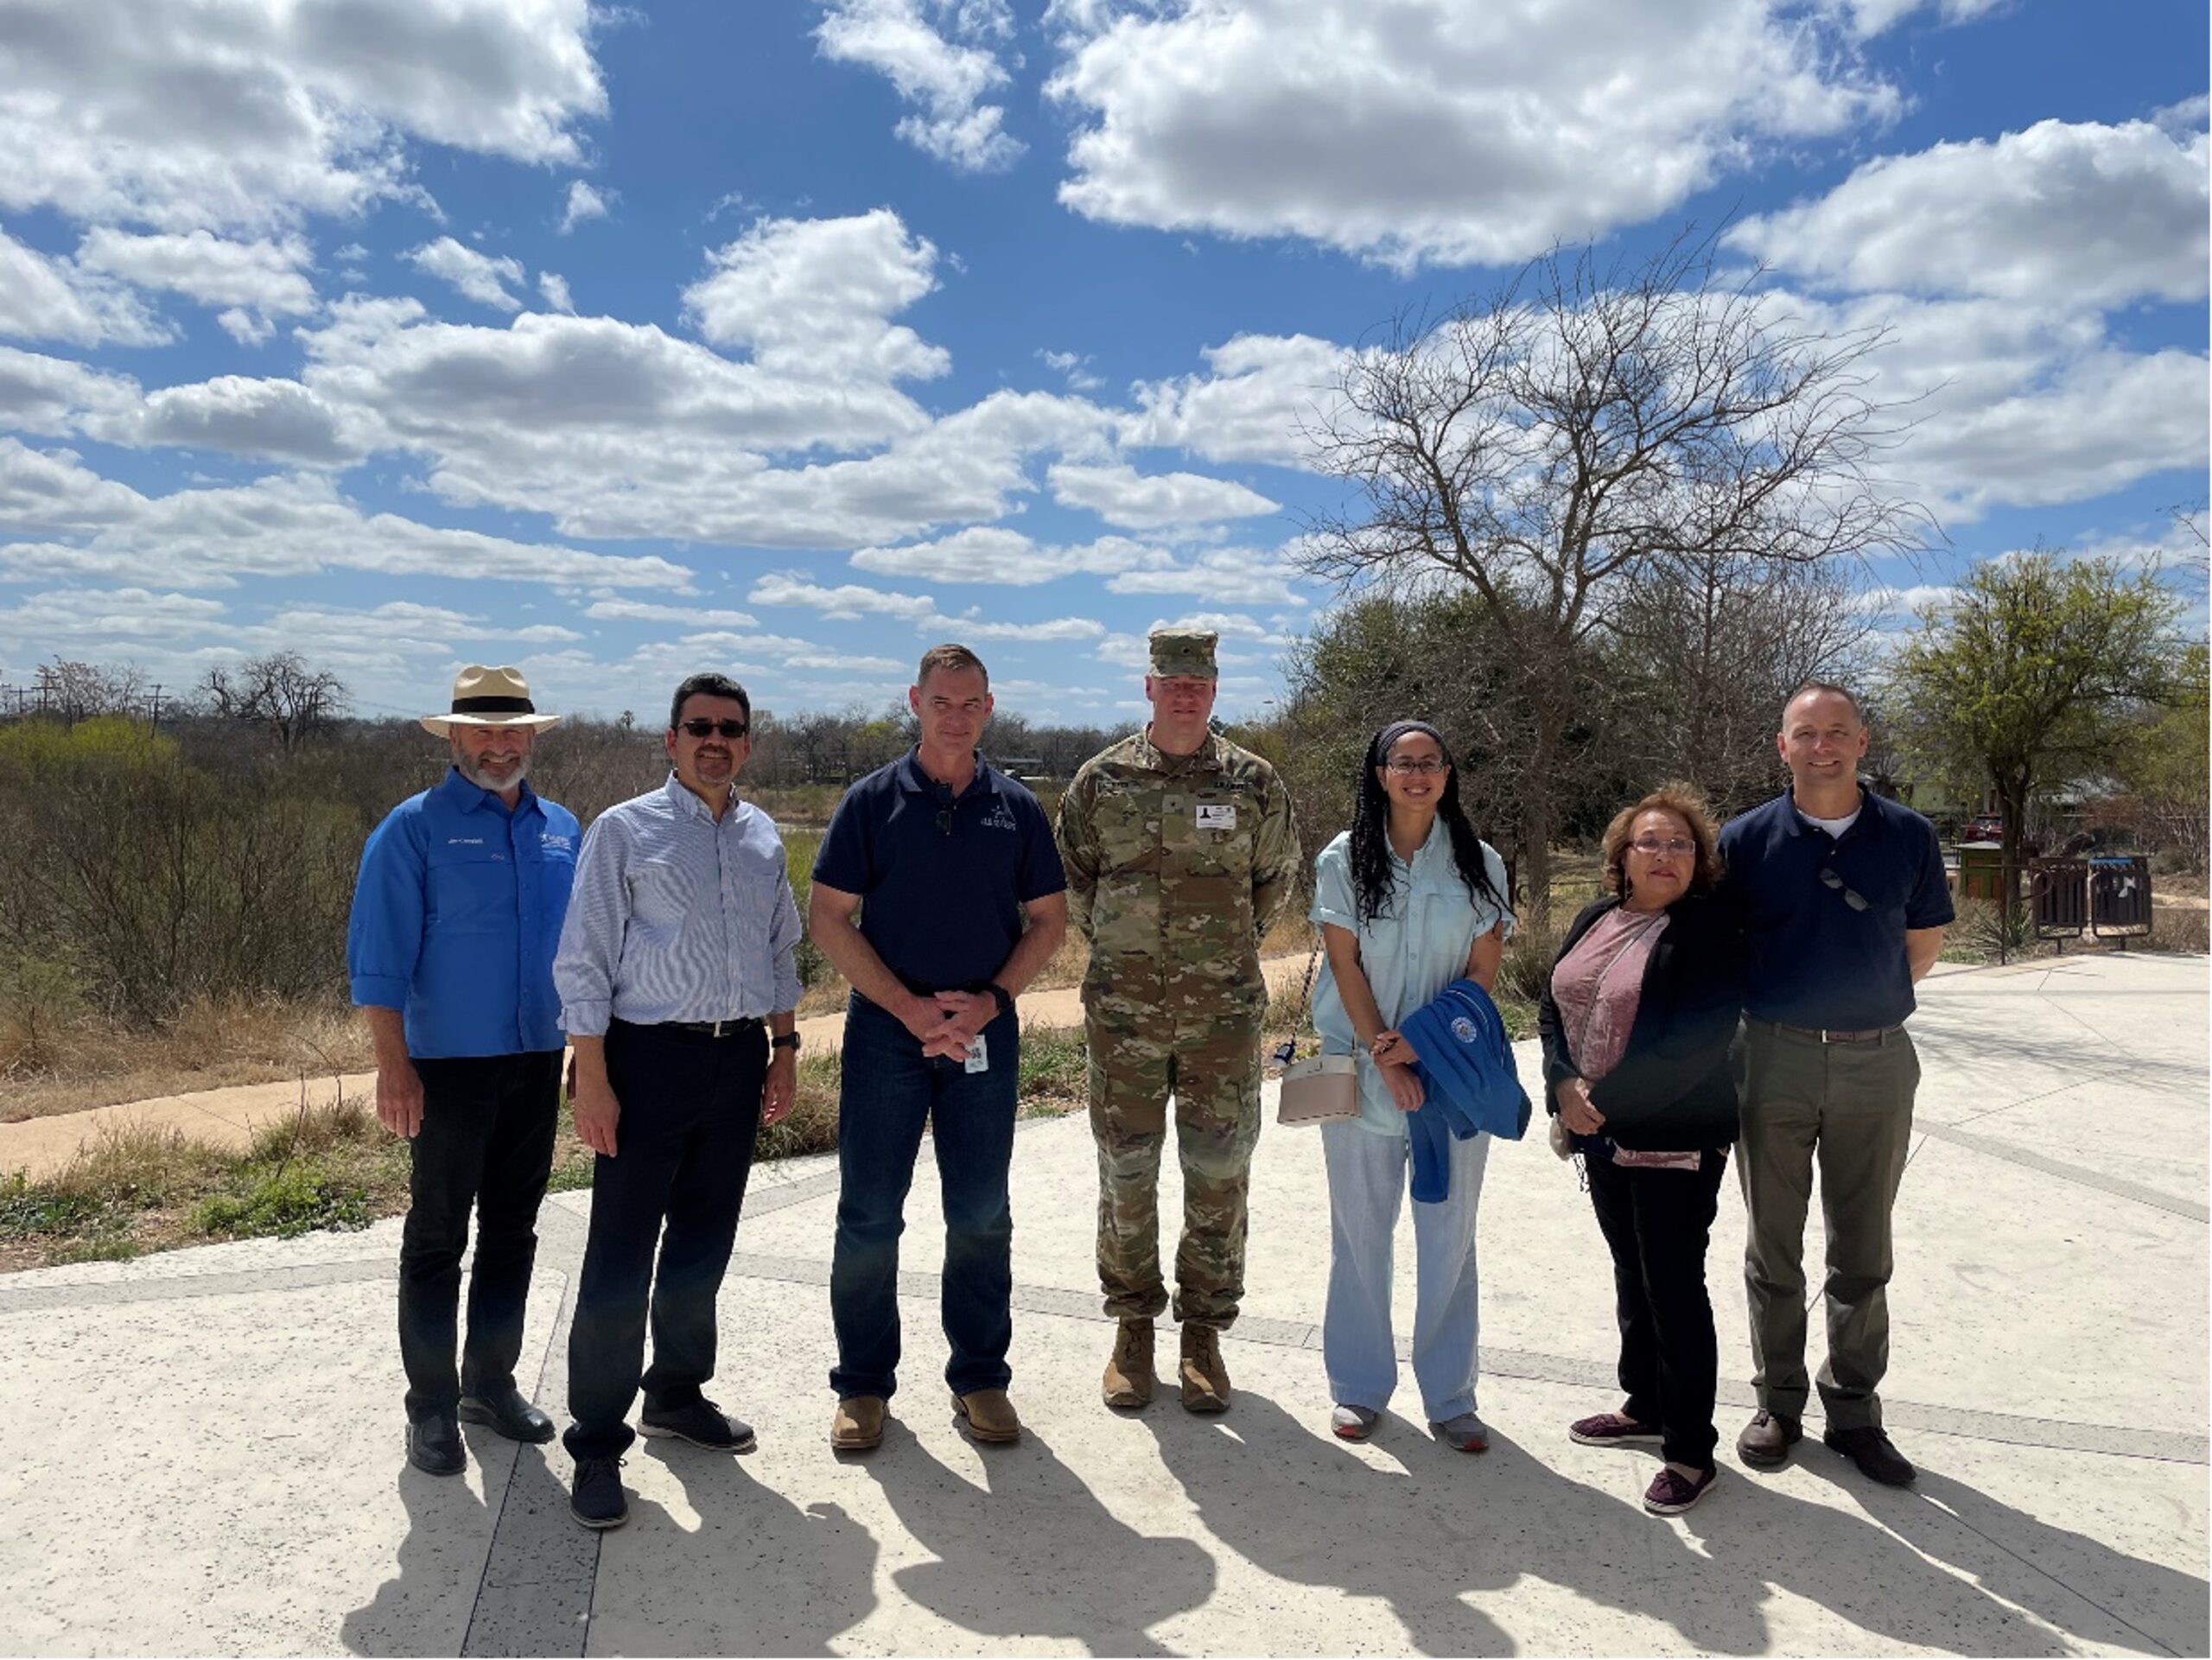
(480, 278)
(683, 615)
(1222, 576)
(1070, 366)
(1260, 393)
(43, 298)
(849, 601)
(990, 553)
(1122, 496)
(286, 525)
(1869, 17)
(947, 80)
(42, 624)
(1452, 132)
(57, 395)
(247, 113)
(554, 288)
(2060, 213)
(267, 278)
(270, 420)
(584, 202)
(1053, 628)
(815, 297)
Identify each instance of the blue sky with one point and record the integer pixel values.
(791, 336)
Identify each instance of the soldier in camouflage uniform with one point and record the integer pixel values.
(1179, 848)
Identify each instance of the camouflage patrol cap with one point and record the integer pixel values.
(1178, 651)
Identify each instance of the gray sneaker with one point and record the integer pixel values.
(1466, 1432)
(702, 1423)
(1352, 1423)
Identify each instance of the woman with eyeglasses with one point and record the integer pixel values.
(1408, 901)
(1637, 1025)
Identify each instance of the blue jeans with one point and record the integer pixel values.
(888, 1091)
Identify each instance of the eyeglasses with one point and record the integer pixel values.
(1652, 846)
(1829, 878)
(705, 728)
(1426, 766)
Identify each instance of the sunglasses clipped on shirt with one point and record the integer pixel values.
(706, 729)
(1856, 900)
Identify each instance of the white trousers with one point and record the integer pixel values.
(1367, 1183)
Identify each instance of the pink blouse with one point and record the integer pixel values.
(1598, 984)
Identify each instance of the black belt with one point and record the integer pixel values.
(733, 1027)
(1829, 1035)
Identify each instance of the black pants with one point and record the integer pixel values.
(1657, 1223)
(682, 1148)
(486, 1141)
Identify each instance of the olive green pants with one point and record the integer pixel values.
(1849, 1107)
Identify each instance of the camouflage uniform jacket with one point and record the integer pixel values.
(1176, 864)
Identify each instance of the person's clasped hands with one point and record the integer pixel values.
(1395, 1057)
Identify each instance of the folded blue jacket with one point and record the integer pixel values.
(1468, 1082)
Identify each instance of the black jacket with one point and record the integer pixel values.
(1676, 1084)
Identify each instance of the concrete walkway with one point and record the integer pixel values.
(205, 1446)
(232, 1116)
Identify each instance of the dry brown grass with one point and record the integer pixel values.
(210, 1044)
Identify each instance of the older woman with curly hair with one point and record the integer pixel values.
(1637, 1023)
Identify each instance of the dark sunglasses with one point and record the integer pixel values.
(1828, 878)
(705, 728)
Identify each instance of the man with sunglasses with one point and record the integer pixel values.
(947, 866)
(1844, 900)
(677, 989)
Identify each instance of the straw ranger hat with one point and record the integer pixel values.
(484, 696)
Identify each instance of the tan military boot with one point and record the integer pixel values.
(858, 1424)
(1129, 1374)
(1206, 1379)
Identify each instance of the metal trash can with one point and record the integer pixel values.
(2058, 892)
(2119, 897)
(1981, 870)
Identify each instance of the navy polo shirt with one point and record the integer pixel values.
(939, 877)
(1816, 959)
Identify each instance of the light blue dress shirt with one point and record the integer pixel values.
(677, 916)
(1418, 946)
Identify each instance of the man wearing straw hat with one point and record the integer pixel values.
(462, 891)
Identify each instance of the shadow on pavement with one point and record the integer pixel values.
(1445, 1524)
(423, 1608)
(1031, 1556)
(758, 1575)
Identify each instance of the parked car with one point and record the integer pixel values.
(1984, 827)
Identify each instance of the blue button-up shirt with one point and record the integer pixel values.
(1418, 946)
(678, 916)
(1816, 959)
(455, 914)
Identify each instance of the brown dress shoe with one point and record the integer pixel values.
(1206, 1379)
(1766, 1439)
(1129, 1374)
(989, 1416)
(858, 1425)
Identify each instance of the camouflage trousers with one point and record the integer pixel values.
(1211, 1068)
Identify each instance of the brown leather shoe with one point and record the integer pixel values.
(858, 1425)
(1766, 1441)
(1206, 1379)
(1129, 1374)
(989, 1416)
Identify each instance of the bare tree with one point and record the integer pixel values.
(1584, 425)
(279, 693)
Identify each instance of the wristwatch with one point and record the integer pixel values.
(1001, 996)
(787, 1040)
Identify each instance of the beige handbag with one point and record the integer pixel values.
(1320, 1091)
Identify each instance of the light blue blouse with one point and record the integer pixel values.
(1418, 946)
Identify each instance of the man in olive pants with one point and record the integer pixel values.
(1844, 900)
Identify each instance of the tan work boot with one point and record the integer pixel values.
(1206, 1379)
(1129, 1374)
(988, 1414)
(858, 1425)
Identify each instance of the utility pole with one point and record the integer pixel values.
(154, 721)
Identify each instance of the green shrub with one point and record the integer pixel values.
(291, 1200)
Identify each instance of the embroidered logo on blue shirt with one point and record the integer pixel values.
(1464, 1029)
(1001, 816)
(548, 839)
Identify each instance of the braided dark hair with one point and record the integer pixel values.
(1370, 826)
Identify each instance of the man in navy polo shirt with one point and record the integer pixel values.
(460, 903)
(942, 856)
(1844, 900)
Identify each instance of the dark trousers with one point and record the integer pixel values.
(888, 1091)
(1657, 1223)
(486, 1141)
(1847, 1106)
(682, 1148)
